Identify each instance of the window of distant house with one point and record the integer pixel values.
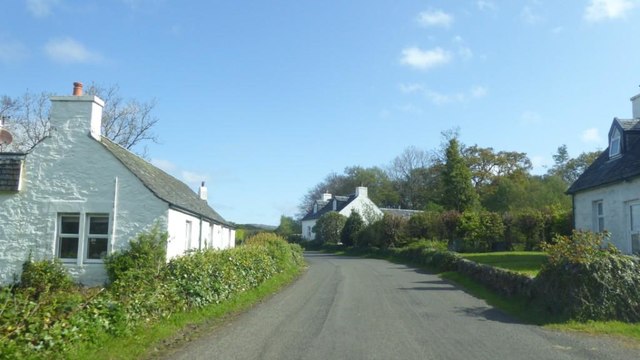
(614, 144)
(88, 240)
(598, 216)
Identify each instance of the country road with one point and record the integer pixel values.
(353, 308)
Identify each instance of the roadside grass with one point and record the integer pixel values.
(524, 262)
(166, 335)
(526, 312)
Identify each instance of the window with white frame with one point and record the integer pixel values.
(87, 240)
(598, 216)
(614, 144)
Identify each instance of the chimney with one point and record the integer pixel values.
(635, 104)
(361, 191)
(202, 192)
(335, 205)
(77, 114)
(326, 196)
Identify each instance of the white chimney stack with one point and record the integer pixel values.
(326, 196)
(635, 103)
(202, 192)
(77, 113)
(361, 191)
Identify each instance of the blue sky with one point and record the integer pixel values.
(263, 99)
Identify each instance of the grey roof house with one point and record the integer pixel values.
(607, 195)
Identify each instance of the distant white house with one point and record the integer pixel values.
(607, 195)
(78, 196)
(343, 205)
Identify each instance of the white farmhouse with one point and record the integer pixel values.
(607, 195)
(78, 196)
(359, 202)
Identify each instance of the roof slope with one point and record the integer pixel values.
(605, 171)
(341, 202)
(163, 185)
(10, 166)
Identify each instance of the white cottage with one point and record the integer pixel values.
(607, 195)
(359, 202)
(78, 196)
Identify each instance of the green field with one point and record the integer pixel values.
(525, 262)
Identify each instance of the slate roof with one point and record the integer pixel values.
(10, 169)
(327, 206)
(163, 185)
(605, 171)
(403, 213)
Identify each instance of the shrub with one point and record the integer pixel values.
(584, 281)
(425, 225)
(146, 255)
(393, 231)
(329, 226)
(371, 235)
(352, 227)
(531, 225)
(45, 275)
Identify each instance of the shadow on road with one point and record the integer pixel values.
(487, 314)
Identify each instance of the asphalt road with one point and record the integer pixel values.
(353, 308)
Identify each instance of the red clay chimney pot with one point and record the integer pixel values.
(77, 89)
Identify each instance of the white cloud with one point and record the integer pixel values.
(486, 5)
(435, 18)
(600, 10)
(192, 178)
(12, 51)
(409, 108)
(591, 135)
(165, 165)
(529, 16)
(479, 92)
(411, 88)
(424, 59)
(41, 8)
(69, 51)
(438, 98)
(530, 118)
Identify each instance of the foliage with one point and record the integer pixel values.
(143, 291)
(146, 255)
(584, 281)
(568, 169)
(393, 230)
(329, 227)
(371, 235)
(480, 230)
(288, 227)
(458, 193)
(352, 227)
(44, 276)
(531, 224)
(425, 225)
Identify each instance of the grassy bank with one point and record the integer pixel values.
(168, 334)
(524, 262)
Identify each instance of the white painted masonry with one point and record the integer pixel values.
(358, 202)
(71, 172)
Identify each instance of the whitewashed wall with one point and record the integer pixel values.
(615, 201)
(365, 207)
(307, 229)
(71, 172)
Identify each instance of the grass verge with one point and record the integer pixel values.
(524, 262)
(161, 338)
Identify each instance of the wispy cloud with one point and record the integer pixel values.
(600, 10)
(439, 98)
(192, 178)
(70, 51)
(435, 18)
(411, 88)
(12, 51)
(529, 16)
(41, 8)
(591, 135)
(486, 5)
(424, 59)
(530, 118)
(165, 165)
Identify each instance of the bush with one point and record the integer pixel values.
(352, 227)
(425, 225)
(584, 281)
(393, 231)
(44, 276)
(146, 255)
(329, 226)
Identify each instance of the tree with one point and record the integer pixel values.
(458, 191)
(569, 169)
(288, 226)
(352, 228)
(127, 122)
(329, 227)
